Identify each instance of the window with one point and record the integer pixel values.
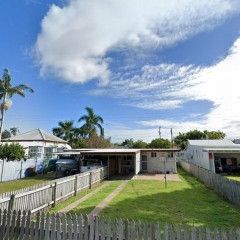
(35, 151)
(153, 154)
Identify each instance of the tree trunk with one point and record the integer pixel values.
(2, 117)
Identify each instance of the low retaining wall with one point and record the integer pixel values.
(223, 186)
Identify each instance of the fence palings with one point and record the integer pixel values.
(24, 225)
(44, 195)
(223, 186)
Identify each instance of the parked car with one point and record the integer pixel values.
(52, 165)
(67, 167)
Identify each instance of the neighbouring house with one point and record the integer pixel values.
(39, 144)
(130, 161)
(218, 156)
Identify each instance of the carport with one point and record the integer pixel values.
(224, 160)
(119, 161)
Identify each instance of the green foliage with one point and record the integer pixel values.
(14, 131)
(214, 134)
(182, 138)
(93, 141)
(92, 123)
(12, 152)
(128, 143)
(6, 134)
(65, 130)
(82, 137)
(160, 143)
(140, 144)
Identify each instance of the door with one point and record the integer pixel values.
(144, 167)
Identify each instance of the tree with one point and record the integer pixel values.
(214, 134)
(160, 143)
(7, 91)
(14, 131)
(92, 123)
(140, 144)
(96, 141)
(11, 152)
(65, 130)
(182, 138)
(6, 134)
(128, 143)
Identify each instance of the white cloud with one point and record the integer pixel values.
(170, 85)
(75, 39)
(219, 84)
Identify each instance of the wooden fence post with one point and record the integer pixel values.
(75, 185)
(90, 180)
(54, 193)
(11, 202)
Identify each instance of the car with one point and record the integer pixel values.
(51, 166)
(67, 166)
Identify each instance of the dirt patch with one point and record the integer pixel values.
(148, 176)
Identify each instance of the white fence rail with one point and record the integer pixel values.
(45, 195)
(223, 186)
(17, 225)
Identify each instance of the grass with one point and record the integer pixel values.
(187, 202)
(88, 205)
(71, 200)
(235, 178)
(25, 182)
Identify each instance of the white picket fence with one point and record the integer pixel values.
(24, 225)
(223, 186)
(46, 195)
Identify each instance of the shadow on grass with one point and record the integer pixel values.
(187, 202)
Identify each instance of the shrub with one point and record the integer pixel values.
(11, 152)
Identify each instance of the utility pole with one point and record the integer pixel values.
(171, 137)
(159, 132)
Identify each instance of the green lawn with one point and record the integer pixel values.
(70, 200)
(88, 205)
(235, 178)
(187, 202)
(25, 182)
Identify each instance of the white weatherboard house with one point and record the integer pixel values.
(218, 156)
(131, 161)
(38, 143)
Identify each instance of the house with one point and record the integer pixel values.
(130, 161)
(218, 156)
(39, 144)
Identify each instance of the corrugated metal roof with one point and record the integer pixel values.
(222, 143)
(35, 135)
(222, 150)
(117, 150)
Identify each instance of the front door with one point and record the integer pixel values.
(144, 163)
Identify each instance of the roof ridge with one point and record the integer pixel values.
(41, 134)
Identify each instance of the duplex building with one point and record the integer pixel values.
(130, 161)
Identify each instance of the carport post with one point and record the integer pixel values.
(108, 168)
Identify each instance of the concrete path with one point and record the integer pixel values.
(170, 177)
(76, 203)
(106, 201)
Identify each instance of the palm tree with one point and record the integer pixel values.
(14, 131)
(7, 91)
(65, 130)
(92, 122)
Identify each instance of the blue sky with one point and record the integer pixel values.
(139, 64)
